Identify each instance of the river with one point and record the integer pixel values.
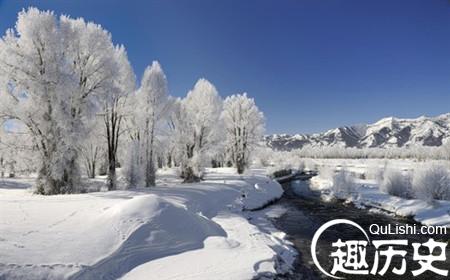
(306, 212)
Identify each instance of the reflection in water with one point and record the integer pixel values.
(306, 213)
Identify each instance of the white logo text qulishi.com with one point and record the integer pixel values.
(397, 229)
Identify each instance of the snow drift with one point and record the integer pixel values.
(197, 230)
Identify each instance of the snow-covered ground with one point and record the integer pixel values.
(173, 231)
(367, 192)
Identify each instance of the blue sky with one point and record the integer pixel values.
(311, 65)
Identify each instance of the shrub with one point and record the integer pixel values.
(343, 182)
(375, 170)
(395, 183)
(301, 166)
(432, 183)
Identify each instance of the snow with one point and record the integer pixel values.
(173, 231)
(368, 193)
(239, 255)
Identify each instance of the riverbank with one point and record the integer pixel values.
(173, 231)
(368, 194)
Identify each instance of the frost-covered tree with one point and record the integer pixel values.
(152, 106)
(197, 126)
(52, 72)
(115, 108)
(92, 148)
(244, 126)
(133, 167)
(170, 143)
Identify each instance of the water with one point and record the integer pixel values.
(306, 212)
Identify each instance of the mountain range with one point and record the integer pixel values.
(385, 133)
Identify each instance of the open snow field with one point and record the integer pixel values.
(173, 231)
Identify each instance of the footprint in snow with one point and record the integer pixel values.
(232, 243)
(227, 243)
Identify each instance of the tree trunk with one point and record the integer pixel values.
(240, 163)
(46, 185)
(150, 178)
(112, 123)
(189, 176)
(150, 172)
(91, 170)
(2, 166)
(111, 179)
(160, 162)
(71, 176)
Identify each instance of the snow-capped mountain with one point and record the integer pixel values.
(386, 133)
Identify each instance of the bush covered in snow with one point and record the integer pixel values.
(432, 183)
(395, 183)
(343, 182)
(285, 161)
(300, 166)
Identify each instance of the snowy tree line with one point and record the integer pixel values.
(418, 152)
(74, 94)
